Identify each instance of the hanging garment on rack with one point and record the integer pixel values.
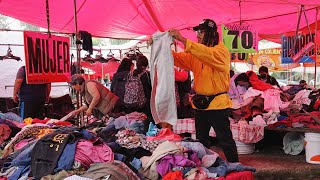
(87, 41)
(163, 99)
(9, 55)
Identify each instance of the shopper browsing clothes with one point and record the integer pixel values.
(120, 78)
(265, 77)
(99, 101)
(209, 61)
(31, 97)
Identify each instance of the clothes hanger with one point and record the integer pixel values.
(88, 58)
(110, 56)
(9, 55)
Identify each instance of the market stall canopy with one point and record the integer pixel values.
(132, 18)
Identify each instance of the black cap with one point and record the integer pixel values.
(206, 24)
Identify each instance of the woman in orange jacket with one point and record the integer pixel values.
(209, 60)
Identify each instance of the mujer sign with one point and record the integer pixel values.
(47, 59)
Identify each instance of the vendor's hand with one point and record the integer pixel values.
(89, 112)
(75, 112)
(150, 41)
(176, 34)
(15, 98)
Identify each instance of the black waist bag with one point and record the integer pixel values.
(202, 101)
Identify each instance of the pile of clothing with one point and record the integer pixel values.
(263, 104)
(114, 149)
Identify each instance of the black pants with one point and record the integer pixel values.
(33, 109)
(218, 119)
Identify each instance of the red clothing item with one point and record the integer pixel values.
(316, 105)
(165, 134)
(63, 123)
(5, 132)
(180, 76)
(176, 175)
(36, 120)
(242, 175)
(256, 83)
(305, 119)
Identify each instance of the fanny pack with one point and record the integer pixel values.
(202, 101)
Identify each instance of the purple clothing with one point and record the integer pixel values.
(168, 162)
(87, 153)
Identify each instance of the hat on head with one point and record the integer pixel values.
(206, 24)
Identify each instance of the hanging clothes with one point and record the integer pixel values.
(163, 99)
(87, 41)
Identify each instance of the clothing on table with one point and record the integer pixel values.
(76, 177)
(302, 97)
(197, 147)
(173, 175)
(153, 130)
(163, 99)
(115, 170)
(168, 162)
(130, 139)
(196, 173)
(7, 162)
(5, 132)
(149, 163)
(165, 134)
(88, 153)
(27, 131)
(131, 121)
(11, 116)
(46, 153)
(251, 92)
(236, 91)
(256, 83)
(66, 159)
(272, 100)
(12, 124)
(22, 162)
(222, 168)
(58, 176)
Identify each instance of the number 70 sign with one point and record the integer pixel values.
(240, 38)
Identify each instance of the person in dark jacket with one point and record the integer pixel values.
(31, 97)
(142, 65)
(265, 77)
(120, 78)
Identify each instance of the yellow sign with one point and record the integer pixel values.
(271, 58)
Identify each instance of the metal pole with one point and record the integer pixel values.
(316, 57)
(79, 98)
(102, 75)
(76, 28)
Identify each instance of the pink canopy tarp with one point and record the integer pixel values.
(132, 18)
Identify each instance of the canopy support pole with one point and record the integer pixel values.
(315, 42)
(79, 98)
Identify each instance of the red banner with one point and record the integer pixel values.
(47, 59)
